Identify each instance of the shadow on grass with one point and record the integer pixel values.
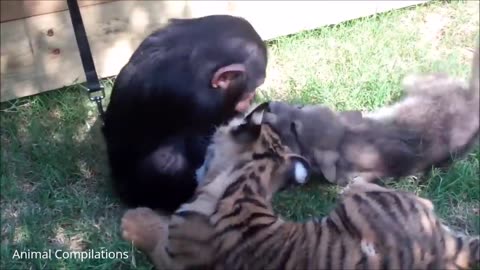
(54, 189)
(55, 193)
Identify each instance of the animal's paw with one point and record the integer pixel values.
(353, 181)
(368, 248)
(416, 178)
(358, 180)
(360, 183)
(144, 228)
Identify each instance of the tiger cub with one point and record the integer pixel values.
(230, 223)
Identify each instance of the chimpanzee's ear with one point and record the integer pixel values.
(250, 129)
(227, 76)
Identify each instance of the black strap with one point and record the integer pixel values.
(96, 92)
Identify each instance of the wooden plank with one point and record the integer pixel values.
(19, 9)
(288, 17)
(40, 53)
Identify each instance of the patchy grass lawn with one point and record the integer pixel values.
(54, 189)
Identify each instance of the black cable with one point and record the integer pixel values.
(93, 84)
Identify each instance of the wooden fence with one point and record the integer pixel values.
(39, 51)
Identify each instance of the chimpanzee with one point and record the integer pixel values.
(180, 84)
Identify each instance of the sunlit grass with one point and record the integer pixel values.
(54, 188)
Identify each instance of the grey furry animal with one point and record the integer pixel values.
(436, 121)
(315, 131)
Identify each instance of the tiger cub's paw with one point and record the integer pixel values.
(356, 180)
(144, 228)
(362, 184)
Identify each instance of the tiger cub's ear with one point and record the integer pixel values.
(256, 114)
(249, 130)
(299, 171)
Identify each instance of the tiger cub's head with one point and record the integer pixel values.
(249, 149)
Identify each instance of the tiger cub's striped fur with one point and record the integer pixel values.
(230, 223)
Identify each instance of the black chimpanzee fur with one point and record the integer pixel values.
(164, 107)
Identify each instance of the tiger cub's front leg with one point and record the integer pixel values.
(360, 183)
(148, 231)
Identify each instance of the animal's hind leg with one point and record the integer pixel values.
(144, 228)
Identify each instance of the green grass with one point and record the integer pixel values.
(54, 189)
